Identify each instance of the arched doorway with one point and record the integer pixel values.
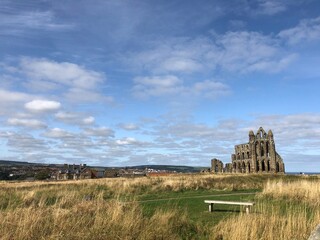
(243, 168)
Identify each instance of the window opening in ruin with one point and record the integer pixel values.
(249, 168)
(277, 167)
(243, 156)
(263, 166)
(258, 167)
(268, 166)
(248, 155)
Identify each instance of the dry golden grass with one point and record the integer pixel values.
(175, 182)
(88, 209)
(304, 190)
(71, 218)
(288, 208)
(268, 224)
(285, 211)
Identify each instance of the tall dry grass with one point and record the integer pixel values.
(304, 190)
(155, 184)
(92, 209)
(63, 215)
(268, 224)
(286, 210)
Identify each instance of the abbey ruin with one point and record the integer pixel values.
(257, 156)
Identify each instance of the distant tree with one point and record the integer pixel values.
(42, 175)
(4, 175)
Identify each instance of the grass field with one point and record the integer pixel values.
(287, 207)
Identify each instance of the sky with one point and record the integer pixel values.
(179, 82)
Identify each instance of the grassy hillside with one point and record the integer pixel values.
(287, 207)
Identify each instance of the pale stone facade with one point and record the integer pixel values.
(216, 166)
(259, 155)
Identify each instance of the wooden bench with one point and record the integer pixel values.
(211, 202)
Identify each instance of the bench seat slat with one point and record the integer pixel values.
(229, 202)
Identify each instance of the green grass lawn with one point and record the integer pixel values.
(192, 202)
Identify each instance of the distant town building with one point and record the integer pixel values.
(111, 173)
(75, 172)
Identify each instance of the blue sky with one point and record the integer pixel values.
(119, 83)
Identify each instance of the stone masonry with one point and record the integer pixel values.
(259, 155)
(216, 166)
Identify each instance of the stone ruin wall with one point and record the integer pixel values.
(257, 156)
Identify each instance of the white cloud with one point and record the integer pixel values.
(129, 126)
(210, 89)
(74, 118)
(306, 30)
(11, 102)
(58, 133)
(272, 66)
(69, 81)
(34, 19)
(293, 128)
(29, 123)
(78, 95)
(162, 82)
(244, 51)
(24, 143)
(127, 141)
(88, 120)
(99, 132)
(42, 105)
(236, 24)
(66, 116)
(18, 23)
(37, 85)
(65, 73)
(65, 80)
(13, 96)
(175, 64)
(177, 55)
(156, 86)
(180, 139)
(232, 52)
(270, 7)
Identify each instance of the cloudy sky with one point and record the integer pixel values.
(120, 82)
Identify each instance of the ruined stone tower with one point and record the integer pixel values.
(257, 156)
(216, 166)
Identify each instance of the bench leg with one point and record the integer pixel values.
(247, 209)
(210, 207)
